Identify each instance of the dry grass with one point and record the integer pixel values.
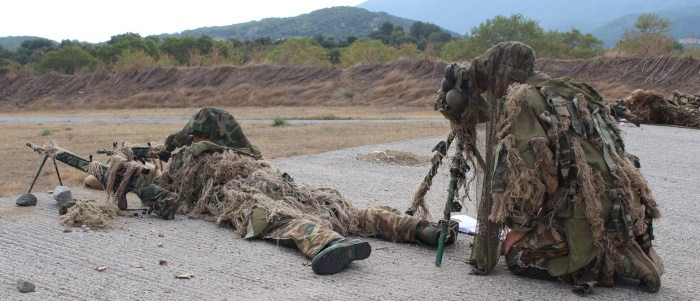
(20, 164)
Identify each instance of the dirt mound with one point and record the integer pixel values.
(395, 157)
(400, 83)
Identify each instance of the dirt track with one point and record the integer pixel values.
(35, 246)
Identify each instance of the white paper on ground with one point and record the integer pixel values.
(467, 224)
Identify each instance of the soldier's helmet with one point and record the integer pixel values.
(464, 82)
(208, 122)
(221, 128)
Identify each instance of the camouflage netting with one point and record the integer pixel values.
(237, 182)
(92, 214)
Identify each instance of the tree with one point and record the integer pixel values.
(501, 29)
(8, 66)
(67, 60)
(32, 51)
(134, 59)
(367, 51)
(458, 50)
(179, 48)
(648, 37)
(409, 51)
(425, 33)
(298, 51)
(117, 44)
(4, 53)
(551, 44)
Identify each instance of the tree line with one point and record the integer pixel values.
(130, 51)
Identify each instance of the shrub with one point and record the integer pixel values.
(279, 122)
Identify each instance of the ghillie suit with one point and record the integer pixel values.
(652, 108)
(227, 181)
(556, 171)
(218, 183)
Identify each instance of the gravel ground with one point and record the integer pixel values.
(62, 263)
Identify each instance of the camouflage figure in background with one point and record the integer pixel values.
(652, 108)
(217, 174)
(557, 174)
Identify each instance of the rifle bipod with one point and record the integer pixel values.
(457, 170)
(28, 199)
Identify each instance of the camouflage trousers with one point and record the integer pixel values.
(529, 256)
(162, 202)
(310, 238)
(544, 242)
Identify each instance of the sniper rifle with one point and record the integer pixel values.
(140, 153)
(84, 165)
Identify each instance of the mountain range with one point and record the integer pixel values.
(605, 19)
(338, 22)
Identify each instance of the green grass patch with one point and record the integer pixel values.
(280, 122)
(46, 132)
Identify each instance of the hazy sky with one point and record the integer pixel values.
(97, 20)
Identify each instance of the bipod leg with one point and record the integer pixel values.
(57, 174)
(37, 173)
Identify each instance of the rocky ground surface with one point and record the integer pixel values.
(141, 258)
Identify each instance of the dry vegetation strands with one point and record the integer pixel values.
(20, 164)
(617, 77)
(259, 85)
(400, 83)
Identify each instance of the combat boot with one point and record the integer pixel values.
(338, 253)
(633, 263)
(429, 233)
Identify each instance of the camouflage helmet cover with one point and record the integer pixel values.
(221, 128)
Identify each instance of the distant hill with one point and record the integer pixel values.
(337, 22)
(685, 22)
(13, 42)
(461, 16)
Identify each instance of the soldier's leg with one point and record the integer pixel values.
(307, 236)
(528, 257)
(162, 202)
(390, 224)
(329, 250)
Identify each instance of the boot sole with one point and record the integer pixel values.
(336, 259)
